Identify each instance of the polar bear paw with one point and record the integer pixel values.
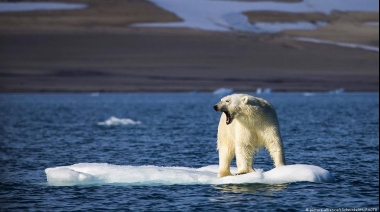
(224, 174)
(244, 172)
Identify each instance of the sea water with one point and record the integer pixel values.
(157, 152)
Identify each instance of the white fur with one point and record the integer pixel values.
(254, 125)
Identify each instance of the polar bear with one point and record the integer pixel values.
(247, 124)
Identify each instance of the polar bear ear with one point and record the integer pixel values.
(245, 99)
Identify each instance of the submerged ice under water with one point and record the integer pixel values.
(176, 140)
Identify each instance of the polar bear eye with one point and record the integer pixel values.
(228, 101)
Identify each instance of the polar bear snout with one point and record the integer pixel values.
(220, 107)
(223, 109)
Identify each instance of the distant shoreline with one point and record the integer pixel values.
(342, 21)
(94, 50)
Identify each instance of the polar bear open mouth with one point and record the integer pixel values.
(228, 117)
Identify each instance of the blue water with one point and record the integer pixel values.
(339, 133)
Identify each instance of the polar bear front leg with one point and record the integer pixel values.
(244, 159)
(226, 155)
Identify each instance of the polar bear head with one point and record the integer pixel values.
(232, 106)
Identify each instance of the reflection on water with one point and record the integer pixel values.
(251, 188)
(237, 194)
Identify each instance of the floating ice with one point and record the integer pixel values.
(337, 91)
(31, 6)
(309, 94)
(263, 91)
(103, 173)
(95, 94)
(113, 121)
(223, 91)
